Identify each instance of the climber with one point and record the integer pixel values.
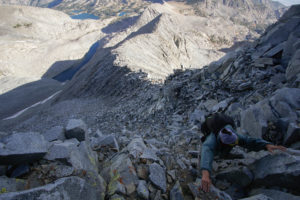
(219, 138)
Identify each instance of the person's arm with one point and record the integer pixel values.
(255, 144)
(207, 156)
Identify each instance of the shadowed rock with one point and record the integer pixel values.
(73, 188)
(22, 148)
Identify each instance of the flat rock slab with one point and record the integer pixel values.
(158, 176)
(73, 188)
(21, 148)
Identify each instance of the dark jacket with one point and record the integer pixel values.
(212, 146)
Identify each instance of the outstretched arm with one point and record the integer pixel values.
(255, 144)
(207, 156)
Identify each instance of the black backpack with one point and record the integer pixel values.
(214, 123)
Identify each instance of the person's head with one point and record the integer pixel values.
(227, 136)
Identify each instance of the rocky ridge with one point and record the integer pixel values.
(140, 140)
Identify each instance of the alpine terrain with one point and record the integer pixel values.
(112, 108)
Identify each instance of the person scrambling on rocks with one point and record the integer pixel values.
(219, 138)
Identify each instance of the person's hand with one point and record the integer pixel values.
(271, 148)
(205, 181)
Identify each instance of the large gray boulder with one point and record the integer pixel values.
(292, 135)
(283, 104)
(254, 119)
(80, 156)
(22, 148)
(76, 128)
(61, 150)
(281, 169)
(158, 176)
(286, 101)
(275, 194)
(120, 169)
(74, 188)
(240, 176)
(293, 66)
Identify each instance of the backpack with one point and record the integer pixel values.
(214, 123)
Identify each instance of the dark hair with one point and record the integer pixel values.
(214, 123)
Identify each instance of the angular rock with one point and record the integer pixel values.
(292, 135)
(21, 148)
(278, 79)
(136, 147)
(275, 50)
(142, 190)
(197, 116)
(158, 176)
(116, 197)
(222, 105)
(84, 158)
(283, 170)
(108, 142)
(55, 133)
(142, 171)
(285, 102)
(245, 86)
(61, 150)
(63, 171)
(274, 194)
(121, 169)
(176, 192)
(76, 128)
(293, 66)
(74, 188)
(253, 121)
(264, 61)
(156, 143)
(213, 194)
(80, 157)
(240, 176)
(181, 164)
(258, 197)
(149, 154)
(116, 187)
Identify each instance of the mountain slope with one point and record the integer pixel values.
(34, 39)
(161, 41)
(137, 130)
